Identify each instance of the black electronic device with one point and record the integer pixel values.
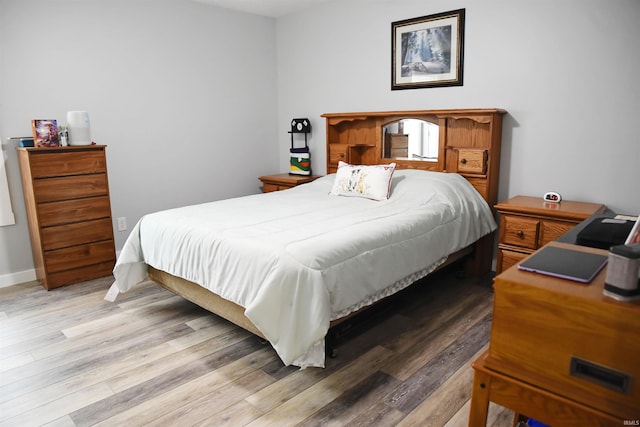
(603, 233)
(565, 263)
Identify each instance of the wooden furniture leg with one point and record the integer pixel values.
(479, 399)
(523, 398)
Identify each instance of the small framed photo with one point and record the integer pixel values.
(45, 133)
(634, 235)
(428, 51)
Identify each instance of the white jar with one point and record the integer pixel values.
(79, 129)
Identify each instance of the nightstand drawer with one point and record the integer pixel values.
(508, 258)
(284, 181)
(268, 188)
(519, 231)
(551, 230)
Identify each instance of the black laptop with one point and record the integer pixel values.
(565, 263)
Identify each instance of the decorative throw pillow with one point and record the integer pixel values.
(371, 182)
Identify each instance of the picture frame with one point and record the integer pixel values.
(45, 133)
(634, 235)
(428, 51)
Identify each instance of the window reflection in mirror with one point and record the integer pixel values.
(411, 139)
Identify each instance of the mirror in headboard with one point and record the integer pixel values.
(411, 139)
(464, 141)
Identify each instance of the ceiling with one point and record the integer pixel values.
(271, 8)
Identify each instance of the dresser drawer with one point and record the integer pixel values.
(79, 256)
(519, 231)
(80, 274)
(62, 236)
(399, 153)
(68, 211)
(48, 164)
(70, 187)
(399, 141)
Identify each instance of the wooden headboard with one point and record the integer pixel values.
(469, 143)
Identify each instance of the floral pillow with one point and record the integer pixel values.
(371, 182)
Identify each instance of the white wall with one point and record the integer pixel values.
(182, 93)
(566, 71)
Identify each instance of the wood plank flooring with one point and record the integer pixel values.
(69, 358)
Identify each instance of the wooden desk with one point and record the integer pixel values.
(542, 327)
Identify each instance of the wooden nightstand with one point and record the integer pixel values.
(528, 223)
(283, 181)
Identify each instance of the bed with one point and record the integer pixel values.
(287, 265)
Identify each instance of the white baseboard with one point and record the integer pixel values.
(17, 278)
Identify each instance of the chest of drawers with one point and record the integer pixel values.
(528, 223)
(66, 194)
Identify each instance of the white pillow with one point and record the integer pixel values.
(371, 182)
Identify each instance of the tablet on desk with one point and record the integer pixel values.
(565, 263)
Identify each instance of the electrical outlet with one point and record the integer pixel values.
(122, 223)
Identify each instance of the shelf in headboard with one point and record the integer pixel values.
(469, 143)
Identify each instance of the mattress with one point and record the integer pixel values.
(299, 258)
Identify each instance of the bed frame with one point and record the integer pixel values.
(469, 144)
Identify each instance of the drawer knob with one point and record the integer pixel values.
(342, 155)
(520, 234)
(463, 161)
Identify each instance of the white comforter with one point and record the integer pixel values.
(297, 259)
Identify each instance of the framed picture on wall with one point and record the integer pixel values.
(428, 51)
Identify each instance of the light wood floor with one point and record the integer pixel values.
(69, 358)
